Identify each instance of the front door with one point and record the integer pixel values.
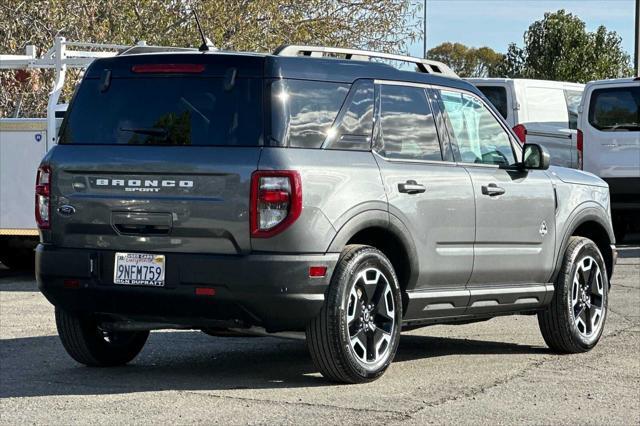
(515, 210)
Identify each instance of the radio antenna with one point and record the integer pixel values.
(206, 42)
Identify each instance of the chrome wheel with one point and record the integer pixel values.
(587, 297)
(371, 316)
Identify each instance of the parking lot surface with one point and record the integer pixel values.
(494, 372)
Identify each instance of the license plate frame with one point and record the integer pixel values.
(139, 269)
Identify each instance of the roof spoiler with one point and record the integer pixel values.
(423, 65)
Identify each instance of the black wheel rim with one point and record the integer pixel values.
(587, 297)
(371, 316)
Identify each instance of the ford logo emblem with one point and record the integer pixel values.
(66, 210)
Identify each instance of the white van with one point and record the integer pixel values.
(609, 144)
(539, 111)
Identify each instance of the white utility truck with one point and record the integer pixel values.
(24, 141)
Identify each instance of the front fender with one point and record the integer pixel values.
(589, 211)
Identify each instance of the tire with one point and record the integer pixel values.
(574, 321)
(18, 259)
(85, 342)
(363, 302)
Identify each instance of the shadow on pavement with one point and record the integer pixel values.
(38, 366)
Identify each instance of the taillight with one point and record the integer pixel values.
(521, 133)
(43, 197)
(580, 148)
(276, 201)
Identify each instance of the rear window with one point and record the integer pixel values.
(304, 111)
(166, 111)
(615, 109)
(497, 95)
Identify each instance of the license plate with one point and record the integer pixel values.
(139, 269)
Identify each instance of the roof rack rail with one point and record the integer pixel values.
(423, 65)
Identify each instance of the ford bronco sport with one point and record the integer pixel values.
(296, 192)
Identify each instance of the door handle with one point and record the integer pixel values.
(411, 187)
(492, 190)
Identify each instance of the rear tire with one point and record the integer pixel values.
(17, 259)
(355, 337)
(574, 321)
(88, 344)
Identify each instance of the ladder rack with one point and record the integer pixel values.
(423, 65)
(70, 54)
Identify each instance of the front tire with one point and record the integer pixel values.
(88, 344)
(355, 337)
(574, 321)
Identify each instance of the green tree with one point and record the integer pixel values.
(251, 25)
(559, 47)
(468, 61)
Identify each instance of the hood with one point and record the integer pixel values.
(576, 176)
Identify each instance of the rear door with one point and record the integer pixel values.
(515, 210)
(430, 194)
(611, 129)
(500, 95)
(547, 122)
(156, 155)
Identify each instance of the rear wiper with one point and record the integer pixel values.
(149, 131)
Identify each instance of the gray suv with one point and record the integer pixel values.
(336, 196)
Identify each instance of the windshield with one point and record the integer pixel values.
(166, 111)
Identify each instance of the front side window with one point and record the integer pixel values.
(477, 133)
(573, 97)
(407, 129)
(303, 111)
(615, 109)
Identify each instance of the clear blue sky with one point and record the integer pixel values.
(496, 23)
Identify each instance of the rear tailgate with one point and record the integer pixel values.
(156, 155)
(158, 199)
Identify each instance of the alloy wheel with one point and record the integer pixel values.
(587, 297)
(371, 316)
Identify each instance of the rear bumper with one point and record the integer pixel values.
(273, 291)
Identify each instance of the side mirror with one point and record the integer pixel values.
(535, 157)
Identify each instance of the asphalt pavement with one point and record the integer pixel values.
(494, 372)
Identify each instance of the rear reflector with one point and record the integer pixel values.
(71, 283)
(317, 271)
(168, 68)
(205, 291)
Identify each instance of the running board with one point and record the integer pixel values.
(431, 304)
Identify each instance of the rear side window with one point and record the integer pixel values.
(408, 130)
(615, 109)
(355, 123)
(302, 112)
(573, 97)
(164, 110)
(497, 95)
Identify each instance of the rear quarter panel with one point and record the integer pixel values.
(336, 186)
